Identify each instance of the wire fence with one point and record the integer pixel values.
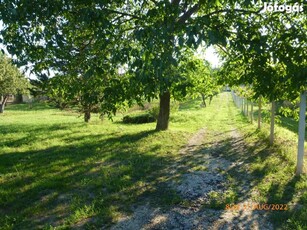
(246, 106)
(260, 111)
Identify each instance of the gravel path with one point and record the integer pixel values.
(197, 186)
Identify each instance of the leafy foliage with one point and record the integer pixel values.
(139, 119)
(12, 81)
(75, 38)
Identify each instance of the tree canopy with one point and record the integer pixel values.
(98, 37)
(12, 82)
(95, 38)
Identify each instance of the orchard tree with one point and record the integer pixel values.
(87, 93)
(271, 50)
(165, 28)
(147, 35)
(199, 78)
(12, 82)
(75, 40)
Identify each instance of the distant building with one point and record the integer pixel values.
(226, 88)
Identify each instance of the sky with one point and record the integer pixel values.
(210, 55)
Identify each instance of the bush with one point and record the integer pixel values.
(154, 111)
(139, 119)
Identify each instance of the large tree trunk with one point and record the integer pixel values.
(3, 102)
(301, 135)
(164, 112)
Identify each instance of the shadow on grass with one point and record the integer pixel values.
(291, 124)
(263, 171)
(29, 107)
(256, 173)
(33, 133)
(228, 157)
(288, 123)
(62, 185)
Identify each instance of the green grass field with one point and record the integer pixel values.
(57, 171)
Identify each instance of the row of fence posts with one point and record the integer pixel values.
(243, 104)
(247, 107)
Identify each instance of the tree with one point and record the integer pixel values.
(198, 78)
(86, 93)
(149, 36)
(12, 82)
(165, 28)
(272, 49)
(75, 40)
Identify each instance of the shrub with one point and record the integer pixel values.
(154, 111)
(139, 119)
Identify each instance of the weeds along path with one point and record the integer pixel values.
(210, 172)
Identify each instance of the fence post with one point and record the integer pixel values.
(301, 134)
(259, 112)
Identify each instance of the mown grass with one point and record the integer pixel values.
(57, 171)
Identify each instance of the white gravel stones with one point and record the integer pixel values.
(200, 183)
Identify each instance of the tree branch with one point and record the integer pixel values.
(175, 2)
(234, 10)
(188, 14)
(121, 13)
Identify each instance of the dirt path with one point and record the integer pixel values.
(207, 170)
(196, 187)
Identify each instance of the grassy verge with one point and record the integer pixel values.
(271, 171)
(58, 171)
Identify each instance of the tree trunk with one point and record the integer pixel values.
(3, 102)
(164, 111)
(204, 99)
(252, 112)
(211, 97)
(259, 112)
(87, 116)
(247, 108)
(272, 122)
(101, 117)
(301, 135)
